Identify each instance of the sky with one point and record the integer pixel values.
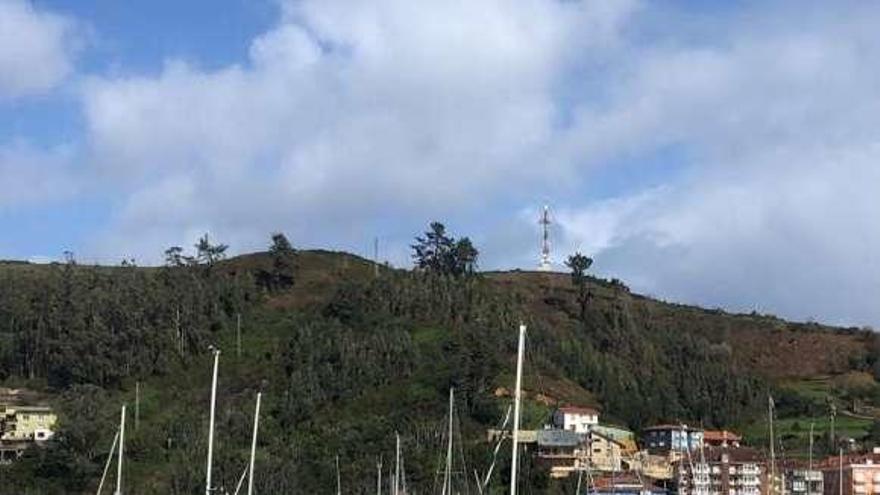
(716, 153)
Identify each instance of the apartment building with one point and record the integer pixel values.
(721, 472)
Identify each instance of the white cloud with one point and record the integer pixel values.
(36, 49)
(352, 117)
(30, 175)
(778, 210)
(344, 111)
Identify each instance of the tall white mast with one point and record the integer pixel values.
(517, 398)
(379, 476)
(397, 464)
(447, 477)
(545, 265)
(109, 460)
(338, 477)
(254, 445)
(772, 448)
(208, 488)
(121, 445)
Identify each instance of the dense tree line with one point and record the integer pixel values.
(340, 376)
(75, 324)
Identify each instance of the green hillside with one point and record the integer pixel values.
(347, 354)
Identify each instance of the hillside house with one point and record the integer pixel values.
(566, 451)
(575, 418)
(672, 438)
(604, 454)
(654, 466)
(562, 451)
(27, 423)
(21, 426)
(625, 437)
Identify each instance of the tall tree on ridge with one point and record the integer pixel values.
(283, 262)
(437, 252)
(579, 264)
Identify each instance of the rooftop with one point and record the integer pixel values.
(559, 438)
(577, 410)
(671, 427)
(734, 455)
(721, 436)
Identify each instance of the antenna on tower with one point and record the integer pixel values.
(545, 265)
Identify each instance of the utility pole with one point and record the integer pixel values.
(376, 257)
(238, 333)
(177, 327)
(833, 416)
(137, 404)
(811, 444)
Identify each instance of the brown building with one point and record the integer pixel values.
(722, 471)
(721, 438)
(624, 484)
(861, 474)
(566, 452)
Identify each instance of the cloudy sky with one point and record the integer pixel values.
(719, 153)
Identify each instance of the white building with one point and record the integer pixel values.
(576, 419)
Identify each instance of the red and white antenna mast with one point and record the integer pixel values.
(545, 265)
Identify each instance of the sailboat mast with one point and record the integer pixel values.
(516, 405)
(109, 460)
(338, 477)
(379, 476)
(447, 477)
(772, 446)
(254, 445)
(397, 464)
(121, 445)
(577, 490)
(208, 488)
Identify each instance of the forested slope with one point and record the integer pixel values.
(347, 354)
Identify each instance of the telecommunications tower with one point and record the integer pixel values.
(545, 265)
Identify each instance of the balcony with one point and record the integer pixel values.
(749, 469)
